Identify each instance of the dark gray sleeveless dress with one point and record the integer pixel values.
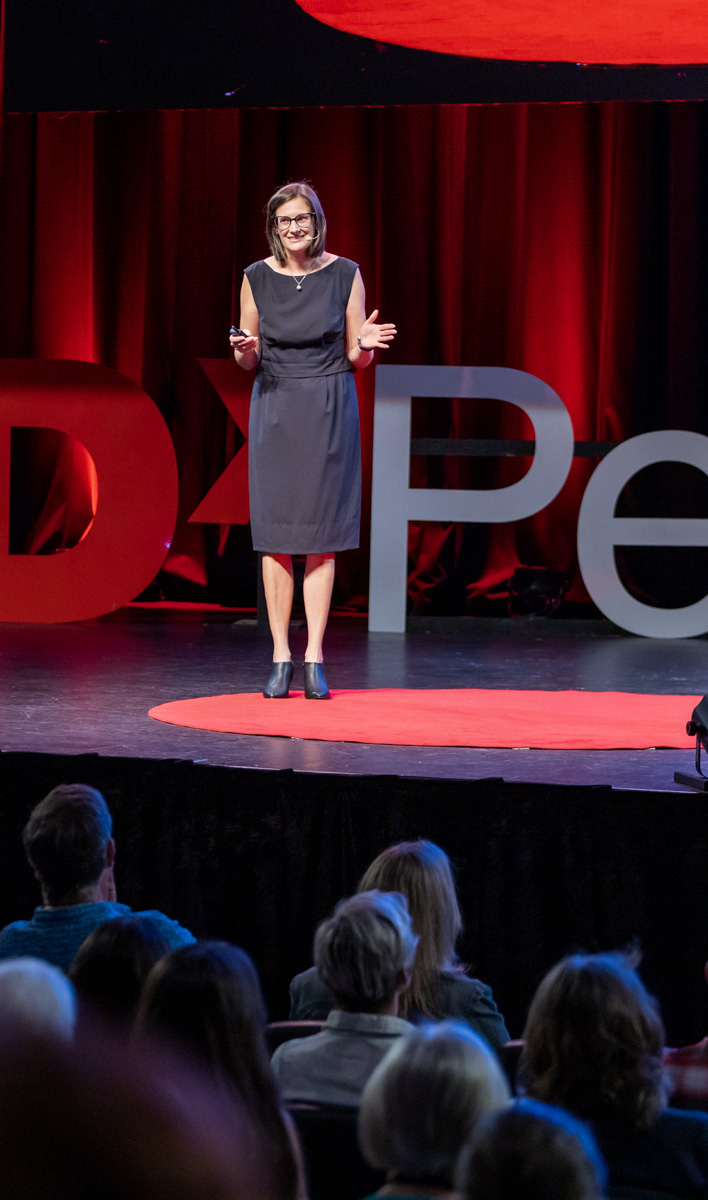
(304, 457)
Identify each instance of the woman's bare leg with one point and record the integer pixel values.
(278, 587)
(317, 593)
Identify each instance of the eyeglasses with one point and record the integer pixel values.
(302, 220)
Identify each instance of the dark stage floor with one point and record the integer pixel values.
(87, 688)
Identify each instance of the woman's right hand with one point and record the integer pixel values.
(244, 344)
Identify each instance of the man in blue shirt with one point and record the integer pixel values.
(69, 844)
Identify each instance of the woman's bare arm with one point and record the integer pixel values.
(247, 350)
(363, 334)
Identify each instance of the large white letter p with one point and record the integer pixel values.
(394, 503)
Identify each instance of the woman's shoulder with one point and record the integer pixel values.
(682, 1126)
(310, 998)
(463, 998)
(463, 988)
(346, 264)
(306, 979)
(670, 1156)
(337, 261)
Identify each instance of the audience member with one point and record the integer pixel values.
(364, 955)
(439, 986)
(37, 996)
(531, 1151)
(422, 1103)
(206, 999)
(113, 963)
(96, 1119)
(594, 1043)
(687, 1069)
(69, 845)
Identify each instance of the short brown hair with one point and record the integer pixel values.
(290, 191)
(65, 840)
(593, 1044)
(362, 949)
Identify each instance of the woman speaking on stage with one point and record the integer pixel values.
(304, 329)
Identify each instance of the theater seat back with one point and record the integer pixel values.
(333, 1160)
(284, 1031)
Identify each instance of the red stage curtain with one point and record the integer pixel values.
(2, 72)
(564, 240)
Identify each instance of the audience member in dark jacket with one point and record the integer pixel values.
(68, 842)
(439, 987)
(594, 1045)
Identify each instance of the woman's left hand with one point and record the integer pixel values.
(376, 337)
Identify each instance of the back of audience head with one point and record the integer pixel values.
(111, 966)
(422, 1102)
(532, 1151)
(206, 998)
(594, 1043)
(94, 1118)
(36, 996)
(68, 843)
(364, 952)
(422, 872)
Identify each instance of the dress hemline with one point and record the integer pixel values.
(328, 549)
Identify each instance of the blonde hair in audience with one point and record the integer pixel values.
(425, 1098)
(422, 872)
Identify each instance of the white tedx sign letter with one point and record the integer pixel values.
(394, 503)
(599, 531)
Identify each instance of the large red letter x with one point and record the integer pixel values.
(227, 501)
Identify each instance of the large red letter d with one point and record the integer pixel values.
(125, 435)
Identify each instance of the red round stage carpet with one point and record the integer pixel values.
(578, 31)
(450, 717)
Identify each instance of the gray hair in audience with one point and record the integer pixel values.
(424, 1100)
(37, 996)
(535, 1151)
(361, 950)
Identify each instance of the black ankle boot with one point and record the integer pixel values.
(315, 682)
(278, 685)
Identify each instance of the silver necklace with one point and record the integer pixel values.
(299, 282)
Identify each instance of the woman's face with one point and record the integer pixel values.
(293, 236)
